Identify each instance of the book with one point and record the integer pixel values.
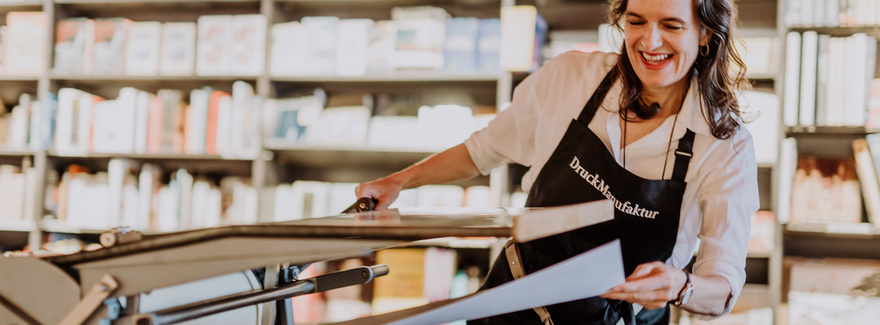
(308, 199)
(178, 49)
(522, 37)
(405, 287)
(110, 39)
(86, 128)
(385, 131)
(831, 288)
(214, 45)
(196, 123)
(760, 54)
(320, 44)
(20, 120)
(421, 36)
(172, 120)
(142, 121)
(245, 120)
(35, 118)
(788, 161)
(143, 51)
(867, 178)
(825, 191)
(248, 47)
(12, 193)
(185, 182)
(340, 126)
(873, 105)
(74, 46)
(460, 49)
(489, 46)
(24, 45)
(822, 74)
(154, 127)
(477, 197)
(212, 129)
(763, 232)
(352, 41)
(383, 42)
(224, 126)
(68, 120)
(809, 57)
(289, 50)
(792, 77)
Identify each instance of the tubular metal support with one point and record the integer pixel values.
(355, 276)
(187, 313)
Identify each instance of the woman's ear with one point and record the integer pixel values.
(705, 36)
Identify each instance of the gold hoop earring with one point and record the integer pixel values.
(707, 50)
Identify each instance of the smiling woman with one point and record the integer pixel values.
(658, 126)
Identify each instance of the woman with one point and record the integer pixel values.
(657, 126)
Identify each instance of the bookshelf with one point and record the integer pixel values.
(282, 163)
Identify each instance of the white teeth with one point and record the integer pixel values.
(660, 57)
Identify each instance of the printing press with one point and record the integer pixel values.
(207, 276)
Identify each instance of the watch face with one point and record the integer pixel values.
(687, 295)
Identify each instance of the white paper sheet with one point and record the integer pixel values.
(586, 275)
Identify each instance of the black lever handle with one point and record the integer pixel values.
(363, 204)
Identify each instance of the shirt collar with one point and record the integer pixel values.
(693, 113)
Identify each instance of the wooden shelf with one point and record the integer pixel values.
(834, 230)
(758, 255)
(828, 130)
(839, 30)
(761, 76)
(327, 156)
(140, 1)
(169, 156)
(15, 153)
(17, 225)
(399, 77)
(18, 78)
(766, 165)
(151, 78)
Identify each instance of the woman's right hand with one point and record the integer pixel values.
(384, 190)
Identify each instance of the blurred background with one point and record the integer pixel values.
(166, 116)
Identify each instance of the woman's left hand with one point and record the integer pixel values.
(651, 285)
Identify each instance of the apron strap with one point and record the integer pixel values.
(517, 270)
(683, 156)
(598, 96)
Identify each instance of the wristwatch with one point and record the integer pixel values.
(685, 294)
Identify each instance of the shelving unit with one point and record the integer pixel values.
(283, 163)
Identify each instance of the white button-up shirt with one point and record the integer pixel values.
(722, 187)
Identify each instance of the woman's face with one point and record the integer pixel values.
(663, 40)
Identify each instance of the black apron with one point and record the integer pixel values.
(646, 219)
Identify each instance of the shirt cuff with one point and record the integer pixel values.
(484, 158)
(729, 273)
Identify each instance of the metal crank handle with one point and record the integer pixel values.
(355, 276)
(363, 204)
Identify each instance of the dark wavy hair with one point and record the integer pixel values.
(720, 74)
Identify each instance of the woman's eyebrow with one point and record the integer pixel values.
(668, 19)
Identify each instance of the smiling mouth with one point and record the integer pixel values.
(655, 59)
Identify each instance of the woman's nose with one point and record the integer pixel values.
(651, 38)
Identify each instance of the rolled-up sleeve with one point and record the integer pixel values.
(511, 135)
(728, 199)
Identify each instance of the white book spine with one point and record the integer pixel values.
(792, 78)
(115, 176)
(213, 208)
(289, 49)
(787, 168)
(168, 208)
(142, 56)
(130, 197)
(197, 122)
(185, 181)
(145, 200)
(86, 109)
(200, 192)
(125, 125)
(224, 127)
(178, 49)
(353, 37)
(808, 78)
(214, 45)
(142, 116)
(248, 56)
(65, 123)
(320, 44)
